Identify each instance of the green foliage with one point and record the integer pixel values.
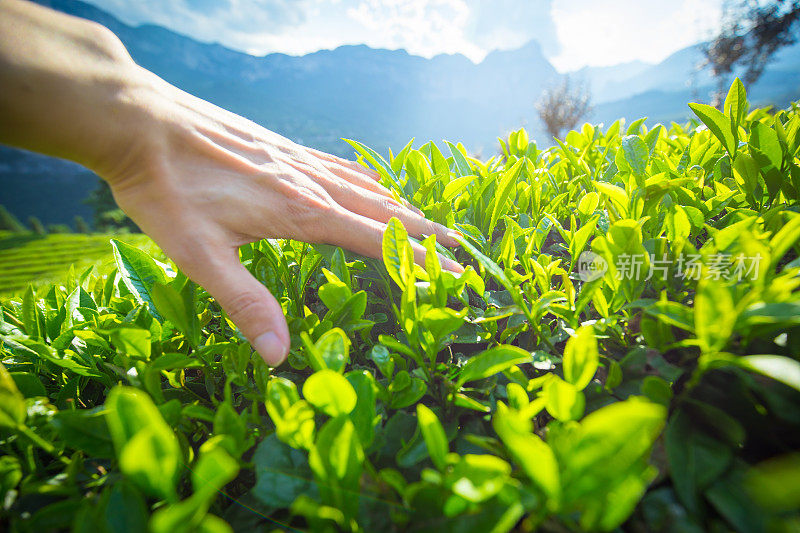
(620, 352)
(27, 258)
(58, 228)
(8, 222)
(107, 217)
(81, 226)
(36, 226)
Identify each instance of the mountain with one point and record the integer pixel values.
(660, 92)
(600, 78)
(380, 97)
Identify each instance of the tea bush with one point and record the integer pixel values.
(621, 352)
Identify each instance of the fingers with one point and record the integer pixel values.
(360, 180)
(357, 178)
(365, 236)
(382, 209)
(250, 306)
(352, 165)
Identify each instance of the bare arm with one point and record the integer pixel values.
(201, 181)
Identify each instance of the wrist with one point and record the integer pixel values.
(134, 120)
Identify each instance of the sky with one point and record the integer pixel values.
(573, 33)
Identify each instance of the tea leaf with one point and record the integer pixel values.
(433, 432)
(493, 361)
(581, 357)
(139, 273)
(718, 123)
(329, 392)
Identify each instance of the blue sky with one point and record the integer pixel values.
(574, 33)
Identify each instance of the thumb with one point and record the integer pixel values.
(251, 307)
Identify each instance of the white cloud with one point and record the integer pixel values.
(469, 27)
(423, 27)
(608, 32)
(573, 33)
(230, 22)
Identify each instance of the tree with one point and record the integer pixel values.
(58, 228)
(9, 222)
(751, 32)
(562, 106)
(107, 216)
(81, 226)
(36, 226)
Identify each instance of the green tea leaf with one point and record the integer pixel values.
(363, 415)
(765, 141)
(456, 187)
(12, 403)
(719, 125)
(398, 257)
(636, 153)
(134, 342)
(696, 459)
(777, 367)
(147, 449)
(490, 266)
(139, 273)
(529, 451)
(282, 473)
(177, 307)
(399, 160)
(30, 314)
(564, 401)
(462, 166)
(506, 184)
(85, 429)
(493, 361)
(714, 315)
(376, 160)
(333, 347)
(329, 392)
(736, 104)
(433, 433)
(581, 357)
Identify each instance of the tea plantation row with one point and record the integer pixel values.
(43, 259)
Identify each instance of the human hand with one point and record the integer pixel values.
(202, 181)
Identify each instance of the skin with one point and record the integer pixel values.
(199, 180)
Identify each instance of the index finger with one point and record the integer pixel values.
(364, 236)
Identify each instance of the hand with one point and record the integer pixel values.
(202, 181)
(199, 180)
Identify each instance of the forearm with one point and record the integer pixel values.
(67, 85)
(201, 181)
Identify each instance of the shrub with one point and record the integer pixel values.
(58, 228)
(36, 226)
(550, 386)
(81, 225)
(8, 222)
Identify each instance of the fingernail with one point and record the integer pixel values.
(452, 266)
(455, 235)
(270, 348)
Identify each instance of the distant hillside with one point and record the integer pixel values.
(661, 92)
(381, 97)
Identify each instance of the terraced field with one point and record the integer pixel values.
(41, 259)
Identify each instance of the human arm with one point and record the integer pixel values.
(201, 181)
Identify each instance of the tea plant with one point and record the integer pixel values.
(621, 352)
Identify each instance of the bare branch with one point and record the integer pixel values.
(563, 106)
